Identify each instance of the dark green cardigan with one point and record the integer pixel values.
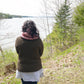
(29, 53)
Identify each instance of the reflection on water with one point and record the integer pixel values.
(10, 29)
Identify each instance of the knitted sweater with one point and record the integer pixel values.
(29, 53)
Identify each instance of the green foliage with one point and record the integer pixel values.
(78, 15)
(62, 27)
(81, 34)
(65, 33)
(63, 14)
(4, 16)
(9, 57)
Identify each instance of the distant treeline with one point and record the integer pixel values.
(6, 16)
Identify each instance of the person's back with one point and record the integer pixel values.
(29, 52)
(29, 48)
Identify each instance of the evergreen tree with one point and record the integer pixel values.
(65, 30)
(62, 20)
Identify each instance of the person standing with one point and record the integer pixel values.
(29, 48)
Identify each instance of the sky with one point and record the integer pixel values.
(21, 7)
(24, 7)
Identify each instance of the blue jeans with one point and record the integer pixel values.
(28, 82)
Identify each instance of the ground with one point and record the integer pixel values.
(65, 68)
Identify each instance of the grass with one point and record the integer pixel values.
(10, 79)
(65, 68)
(9, 56)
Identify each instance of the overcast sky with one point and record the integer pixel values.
(22, 7)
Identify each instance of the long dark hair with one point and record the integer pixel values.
(30, 27)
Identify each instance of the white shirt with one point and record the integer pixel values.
(30, 76)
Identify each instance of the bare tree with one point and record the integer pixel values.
(1, 50)
(47, 21)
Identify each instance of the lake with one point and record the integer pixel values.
(10, 29)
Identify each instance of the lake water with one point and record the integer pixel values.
(10, 29)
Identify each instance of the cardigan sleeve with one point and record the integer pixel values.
(41, 48)
(16, 46)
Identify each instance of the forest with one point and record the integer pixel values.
(8, 16)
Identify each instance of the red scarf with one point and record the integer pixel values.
(25, 35)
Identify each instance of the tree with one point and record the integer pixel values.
(78, 18)
(64, 29)
(62, 20)
(78, 15)
(45, 3)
